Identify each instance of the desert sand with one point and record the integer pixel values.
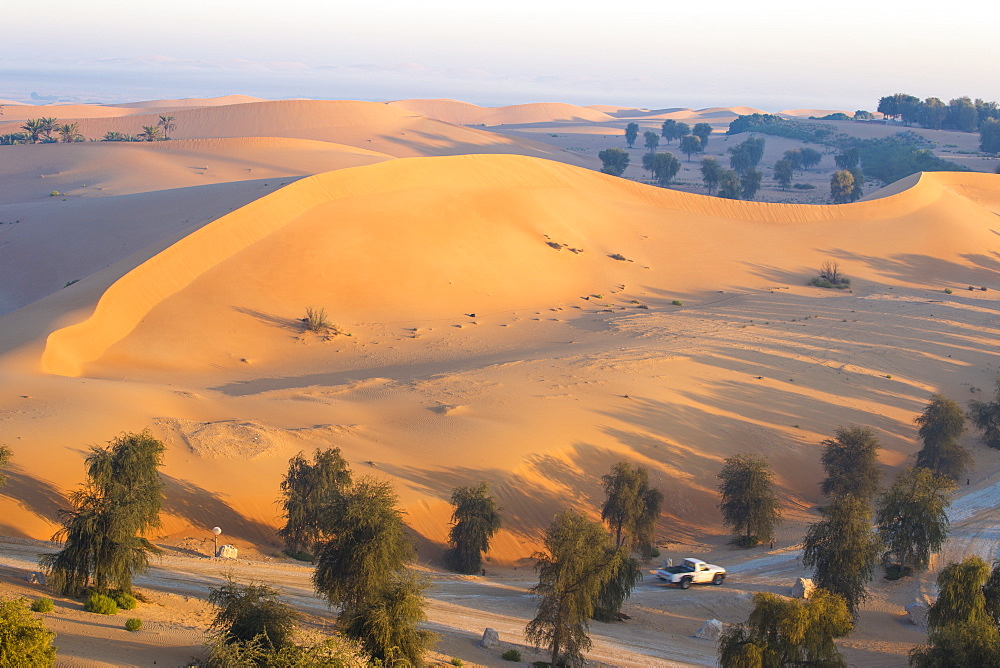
(505, 313)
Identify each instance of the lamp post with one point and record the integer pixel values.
(216, 531)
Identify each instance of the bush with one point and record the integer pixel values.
(803, 186)
(124, 600)
(455, 661)
(511, 655)
(948, 291)
(23, 639)
(299, 555)
(677, 302)
(42, 605)
(315, 320)
(101, 604)
(133, 624)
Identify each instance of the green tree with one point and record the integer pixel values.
(934, 113)
(848, 159)
(941, 424)
(308, 491)
(247, 612)
(168, 125)
(729, 184)
(850, 460)
(614, 161)
(665, 167)
(69, 133)
(811, 157)
(652, 140)
(579, 558)
(749, 503)
(702, 131)
(681, 129)
(962, 115)
(711, 172)
(887, 106)
(24, 642)
(746, 155)
(5, 458)
(669, 130)
(647, 162)
(387, 625)
(862, 115)
(48, 127)
(961, 631)
(794, 156)
(842, 187)
(474, 521)
(690, 144)
(631, 132)
(33, 127)
(787, 632)
(843, 550)
(150, 133)
(750, 183)
(989, 136)
(783, 173)
(912, 517)
(985, 416)
(103, 542)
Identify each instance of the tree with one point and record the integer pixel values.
(669, 130)
(702, 131)
(961, 631)
(729, 184)
(652, 140)
(48, 126)
(787, 632)
(811, 157)
(23, 638)
(989, 136)
(842, 187)
(647, 162)
(33, 127)
(843, 549)
(862, 115)
(631, 132)
(665, 167)
(711, 171)
(748, 503)
(150, 133)
(361, 569)
(962, 115)
(578, 560)
(168, 125)
(985, 416)
(750, 183)
(5, 456)
(887, 107)
(475, 520)
(848, 159)
(934, 113)
(615, 160)
(103, 543)
(308, 492)
(941, 424)
(783, 173)
(69, 133)
(249, 612)
(912, 517)
(746, 155)
(681, 129)
(794, 156)
(850, 460)
(631, 507)
(690, 144)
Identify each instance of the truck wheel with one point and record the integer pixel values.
(717, 580)
(685, 583)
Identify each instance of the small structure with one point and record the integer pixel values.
(916, 612)
(227, 552)
(803, 588)
(491, 639)
(710, 630)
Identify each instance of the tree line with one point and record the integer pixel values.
(40, 131)
(962, 114)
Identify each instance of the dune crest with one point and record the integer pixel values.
(464, 113)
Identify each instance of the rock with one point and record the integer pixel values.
(710, 630)
(803, 588)
(36, 578)
(917, 613)
(227, 552)
(491, 639)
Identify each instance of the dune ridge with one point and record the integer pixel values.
(464, 113)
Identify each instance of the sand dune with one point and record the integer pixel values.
(463, 113)
(191, 102)
(806, 113)
(64, 112)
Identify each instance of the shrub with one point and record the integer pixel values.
(42, 605)
(803, 186)
(948, 291)
(455, 661)
(511, 655)
(133, 624)
(124, 600)
(315, 320)
(101, 604)
(677, 302)
(23, 639)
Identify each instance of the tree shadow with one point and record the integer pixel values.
(35, 494)
(203, 508)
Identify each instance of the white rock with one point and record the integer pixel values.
(803, 588)
(710, 630)
(917, 613)
(491, 639)
(227, 552)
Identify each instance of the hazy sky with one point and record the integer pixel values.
(774, 56)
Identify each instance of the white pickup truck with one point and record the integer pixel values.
(691, 571)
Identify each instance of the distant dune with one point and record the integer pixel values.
(463, 113)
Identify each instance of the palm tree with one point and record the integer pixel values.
(34, 127)
(168, 125)
(48, 127)
(69, 133)
(150, 133)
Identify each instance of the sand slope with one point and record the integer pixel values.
(463, 113)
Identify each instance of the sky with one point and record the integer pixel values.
(806, 54)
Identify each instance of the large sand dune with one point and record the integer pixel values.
(463, 113)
